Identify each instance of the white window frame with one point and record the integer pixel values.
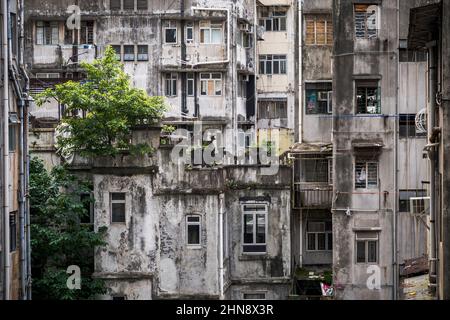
(197, 224)
(189, 26)
(367, 163)
(255, 213)
(111, 202)
(210, 27)
(366, 240)
(190, 79)
(171, 81)
(270, 58)
(218, 83)
(327, 234)
(170, 25)
(52, 25)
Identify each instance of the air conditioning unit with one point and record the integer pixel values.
(419, 205)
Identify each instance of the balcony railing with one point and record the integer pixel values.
(312, 196)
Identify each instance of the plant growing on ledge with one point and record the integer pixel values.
(101, 111)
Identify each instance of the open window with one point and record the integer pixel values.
(367, 247)
(272, 18)
(319, 98)
(368, 97)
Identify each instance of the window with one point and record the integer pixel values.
(119, 298)
(242, 87)
(254, 227)
(128, 4)
(128, 53)
(272, 64)
(115, 5)
(87, 32)
(368, 97)
(13, 231)
(88, 205)
(210, 33)
(366, 247)
(246, 39)
(366, 21)
(319, 30)
(142, 4)
(405, 199)
(254, 296)
(117, 49)
(319, 236)
(314, 169)
(408, 127)
(319, 98)
(366, 174)
(142, 53)
(225, 235)
(193, 230)
(171, 84)
(190, 84)
(189, 33)
(272, 109)
(12, 137)
(272, 18)
(170, 32)
(117, 207)
(47, 32)
(211, 84)
(13, 26)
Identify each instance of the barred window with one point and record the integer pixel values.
(366, 21)
(368, 97)
(319, 30)
(47, 32)
(366, 174)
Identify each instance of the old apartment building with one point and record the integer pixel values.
(179, 229)
(428, 32)
(14, 232)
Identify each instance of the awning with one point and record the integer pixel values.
(424, 25)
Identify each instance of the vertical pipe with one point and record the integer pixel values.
(300, 72)
(221, 244)
(5, 182)
(184, 109)
(432, 123)
(395, 273)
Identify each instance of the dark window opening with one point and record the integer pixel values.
(118, 207)
(319, 98)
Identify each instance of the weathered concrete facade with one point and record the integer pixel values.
(14, 240)
(377, 152)
(201, 56)
(428, 31)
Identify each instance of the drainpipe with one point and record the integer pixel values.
(433, 154)
(300, 71)
(221, 237)
(184, 109)
(5, 180)
(395, 273)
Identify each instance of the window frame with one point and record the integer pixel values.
(215, 81)
(269, 59)
(189, 40)
(13, 232)
(254, 214)
(127, 56)
(315, 18)
(197, 224)
(263, 20)
(254, 293)
(170, 25)
(366, 240)
(406, 121)
(142, 56)
(52, 26)
(367, 163)
(118, 54)
(317, 88)
(171, 84)
(190, 80)
(210, 27)
(111, 202)
(369, 84)
(366, 36)
(327, 233)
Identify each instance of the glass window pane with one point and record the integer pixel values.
(204, 36)
(321, 241)
(216, 36)
(330, 241)
(261, 228)
(360, 251)
(311, 241)
(193, 234)
(372, 252)
(171, 35)
(118, 212)
(248, 228)
(118, 196)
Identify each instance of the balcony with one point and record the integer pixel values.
(312, 196)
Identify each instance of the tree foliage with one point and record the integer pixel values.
(110, 106)
(58, 239)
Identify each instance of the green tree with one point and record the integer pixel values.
(111, 108)
(58, 238)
